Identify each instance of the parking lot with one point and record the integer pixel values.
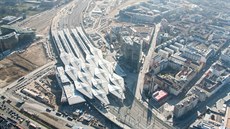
(83, 114)
(11, 118)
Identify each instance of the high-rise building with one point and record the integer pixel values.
(132, 50)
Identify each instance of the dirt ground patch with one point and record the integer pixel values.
(19, 64)
(36, 54)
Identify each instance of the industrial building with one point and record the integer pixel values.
(84, 73)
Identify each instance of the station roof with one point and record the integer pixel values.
(91, 75)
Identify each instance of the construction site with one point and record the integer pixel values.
(41, 89)
(19, 64)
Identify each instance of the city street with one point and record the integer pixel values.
(191, 116)
(147, 61)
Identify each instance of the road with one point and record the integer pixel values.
(13, 93)
(189, 118)
(140, 114)
(9, 91)
(69, 16)
(132, 113)
(41, 22)
(137, 114)
(145, 67)
(15, 84)
(210, 101)
(75, 17)
(9, 109)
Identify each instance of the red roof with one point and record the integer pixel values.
(158, 95)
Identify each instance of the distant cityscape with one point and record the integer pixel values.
(114, 64)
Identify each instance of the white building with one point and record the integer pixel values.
(84, 71)
(185, 105)
(197, 55)
(225, 55)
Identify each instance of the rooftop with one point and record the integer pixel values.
(127, 40)
(184, 73)
(185, 102)
(17, 29)
(174, 71)
(227, 51)
(92, 76)
(158, 95)
(213, 78)
(9, 18)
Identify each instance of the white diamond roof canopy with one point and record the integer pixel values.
(84, 71)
